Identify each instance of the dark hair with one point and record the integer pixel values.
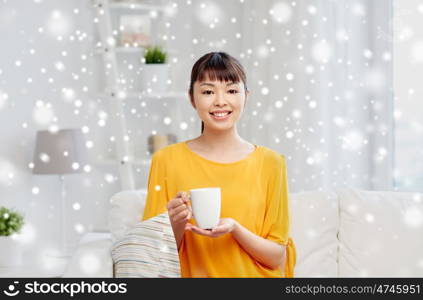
(217, 66)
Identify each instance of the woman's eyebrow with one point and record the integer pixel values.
(206, 83)
(211, 84)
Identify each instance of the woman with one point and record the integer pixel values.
(251, 239)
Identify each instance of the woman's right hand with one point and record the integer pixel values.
(178, 209)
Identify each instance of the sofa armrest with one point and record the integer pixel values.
(92, 257)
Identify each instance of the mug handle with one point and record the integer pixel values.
(190, 207)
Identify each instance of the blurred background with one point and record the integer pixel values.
(334, 87)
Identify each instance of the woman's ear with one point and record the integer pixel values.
(247, 94)
(191, 99)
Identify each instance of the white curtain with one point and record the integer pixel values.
(321, 76)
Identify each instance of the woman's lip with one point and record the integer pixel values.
(220, 118)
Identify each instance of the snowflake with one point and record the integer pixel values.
(312, 104)
(35, 190)
(312, 10)
(311, 233)
(310, 160)
(417, 52)
(183, 126)
(289, 134)
(264, 91)
(321, 51)
(262, 51)
(208, 12)
(58, 24)
(43, 114)
(413, 217)
(278, 104)
(358, 9)
(296, 114)
(79, 228)
(281, 12)
(309, 69)
(353, 140)
(339, 121)
(89, 263)
(3, 99)
(367, 53)
(171, 10)
(60, 66)
(370, 218)
(76, 206)
(27, 234)
(109, 178)
(167, 120)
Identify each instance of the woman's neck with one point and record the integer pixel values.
(220, 140)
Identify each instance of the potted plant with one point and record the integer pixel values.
(11, 223)
(155, 71)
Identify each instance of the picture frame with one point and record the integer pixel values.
(135, 30)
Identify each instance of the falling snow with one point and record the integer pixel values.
(320, 94)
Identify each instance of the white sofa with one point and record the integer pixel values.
(342, 233)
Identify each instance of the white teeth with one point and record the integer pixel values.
(221, 114)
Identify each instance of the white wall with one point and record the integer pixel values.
(47, 46)
(35, 65)
(242, 29)
(408, 72)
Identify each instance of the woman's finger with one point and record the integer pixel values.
(177, 210)
(180, 216)
(185, 197)
(175, 202)
(220, 229)
(189, 214)
(201, 231)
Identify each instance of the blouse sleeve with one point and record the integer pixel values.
(157, 188)
(277, 218)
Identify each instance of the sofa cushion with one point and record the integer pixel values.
(314, 228)
(380, 234)
(126, 210)
(147, 250)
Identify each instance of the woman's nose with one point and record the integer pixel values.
(220, 99)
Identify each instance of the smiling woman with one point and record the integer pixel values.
(215, 72)
(252, 236)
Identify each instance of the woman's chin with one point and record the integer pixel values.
(220, 127)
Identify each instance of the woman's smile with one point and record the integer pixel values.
(220, 115)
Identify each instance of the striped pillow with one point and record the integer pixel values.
(147, 250)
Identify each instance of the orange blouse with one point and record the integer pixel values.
(254, 192)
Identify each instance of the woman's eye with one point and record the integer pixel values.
(207, 92)
(233, 91)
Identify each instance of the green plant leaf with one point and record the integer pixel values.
(12, 224)
(155, 55)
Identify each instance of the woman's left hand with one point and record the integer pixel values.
(225, 225)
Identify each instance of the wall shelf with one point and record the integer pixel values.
(116, 91)
(145, 95)
(121, 50)
(114, 162)
(127, 5)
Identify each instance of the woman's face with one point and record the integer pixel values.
(219, 104)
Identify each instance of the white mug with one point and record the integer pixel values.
(205, 204)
